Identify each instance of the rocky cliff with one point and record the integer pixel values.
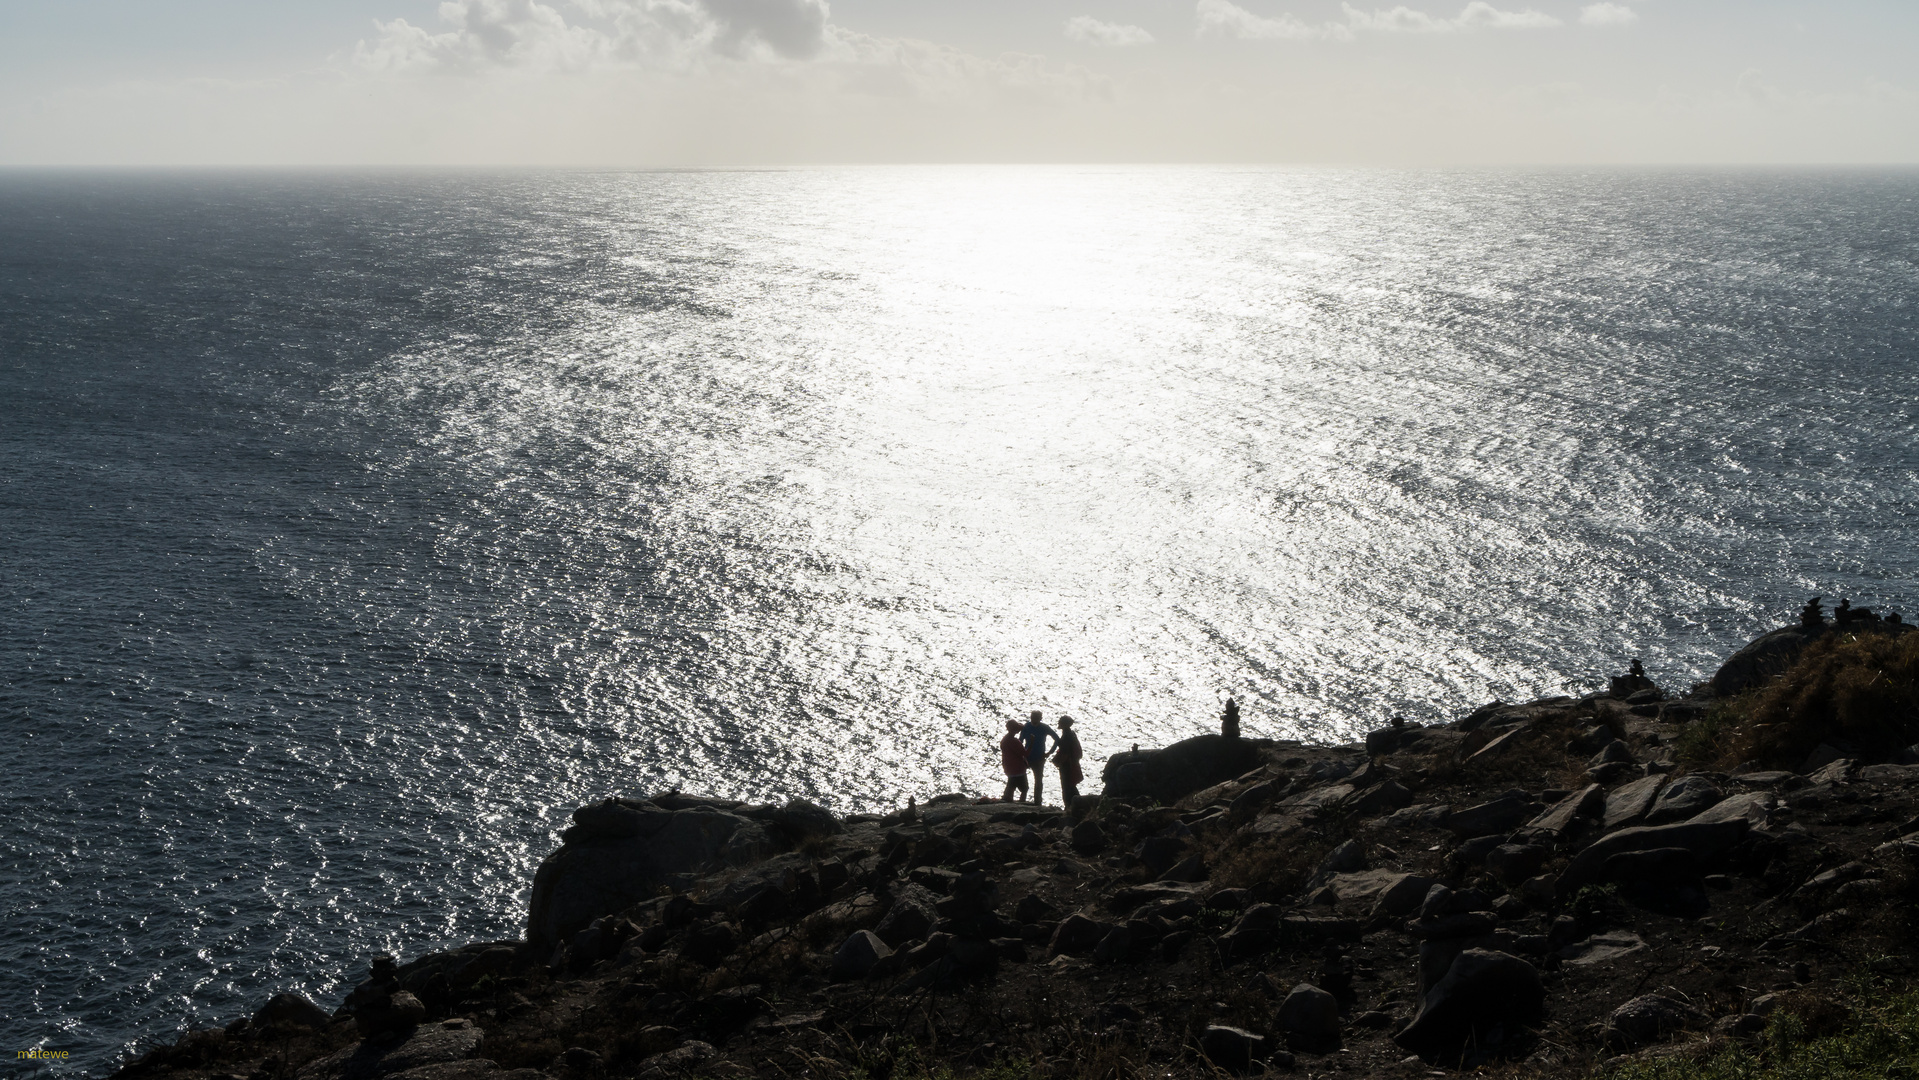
(1555, 884)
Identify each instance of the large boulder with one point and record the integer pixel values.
(1483, 1002)
(1310, 1018)
(436, 1044)
(622, 851)
(1172, 772)
(1762, 658)
(1706, 840)
(1648, 1019)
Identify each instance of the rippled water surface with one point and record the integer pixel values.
(354, 529)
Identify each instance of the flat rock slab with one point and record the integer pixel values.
(1630, 802)
(1586, 802)
(1890, 774)
(425, 1045)
(1363, 888)
(1603, 948)
(1754, 807)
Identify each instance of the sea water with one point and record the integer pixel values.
(355, 528)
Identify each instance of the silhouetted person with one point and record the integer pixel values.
(1229, 721)
(1012, 758)
(1036, 737)
(1638, 670)
(1066, 758)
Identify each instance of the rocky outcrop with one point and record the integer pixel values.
(1762, 658)
(1176, 771)
(622, 851)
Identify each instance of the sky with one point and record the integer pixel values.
(689, 83)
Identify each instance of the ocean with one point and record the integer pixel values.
(356, 527)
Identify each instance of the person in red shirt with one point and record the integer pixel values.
(1012, 757)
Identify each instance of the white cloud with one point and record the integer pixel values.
(1225, 18)
(1476, 15)
(530, 34)
(1230, 20)
(1086, 29)
(1607, 15)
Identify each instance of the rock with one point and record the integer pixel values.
(430, 1045)
(1601, 948)
(1498, 746)
(1647, 1019)
(1345, 858)
(1761, 659)
(1190, 868)
(1033, 909)
(1630, 802)
(1159, 853)
(470, 1069)
(1088, 837)
(1233, 1049)
(1474, 851)
(1169, 773)
(677, 1061)
(1402, 897)
(1077, 934)
(291, 1011)
(1379, 799)
(1683, 798)
(804, 819)
(1537, 892)
(858, 954)
(710, 943)
(1484, 998)
(1390, 739)
(1823, 755)
(1514, 863)
(1502, 815)
(1754, 807)
(1559, 819)
(399, 1012)
(1610, 753)
(622, 851)
(1834, 772)
(1666, 880)
(1705, 841)
(1247, 804)
(1114, 947)
(1310, 1018)
(583, 1060)
(914, 912)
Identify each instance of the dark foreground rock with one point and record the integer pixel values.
(1473, 892)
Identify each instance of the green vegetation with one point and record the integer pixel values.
(1879, 1040)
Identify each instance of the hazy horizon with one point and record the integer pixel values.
(756, 83)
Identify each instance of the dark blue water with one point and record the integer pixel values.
(354, 528)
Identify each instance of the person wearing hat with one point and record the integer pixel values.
(1066, 758)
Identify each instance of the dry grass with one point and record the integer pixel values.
(1862, 689)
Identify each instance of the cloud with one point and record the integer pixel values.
(795, 29)
(1086, 29)
(532, 35)
(1223, 17)
(1607, 15)
(1477, 15)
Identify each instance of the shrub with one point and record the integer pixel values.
(1859, 688)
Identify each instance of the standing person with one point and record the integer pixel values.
(1035, 735)
(1012, 758)
(1066, 758)
(1229, 722)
